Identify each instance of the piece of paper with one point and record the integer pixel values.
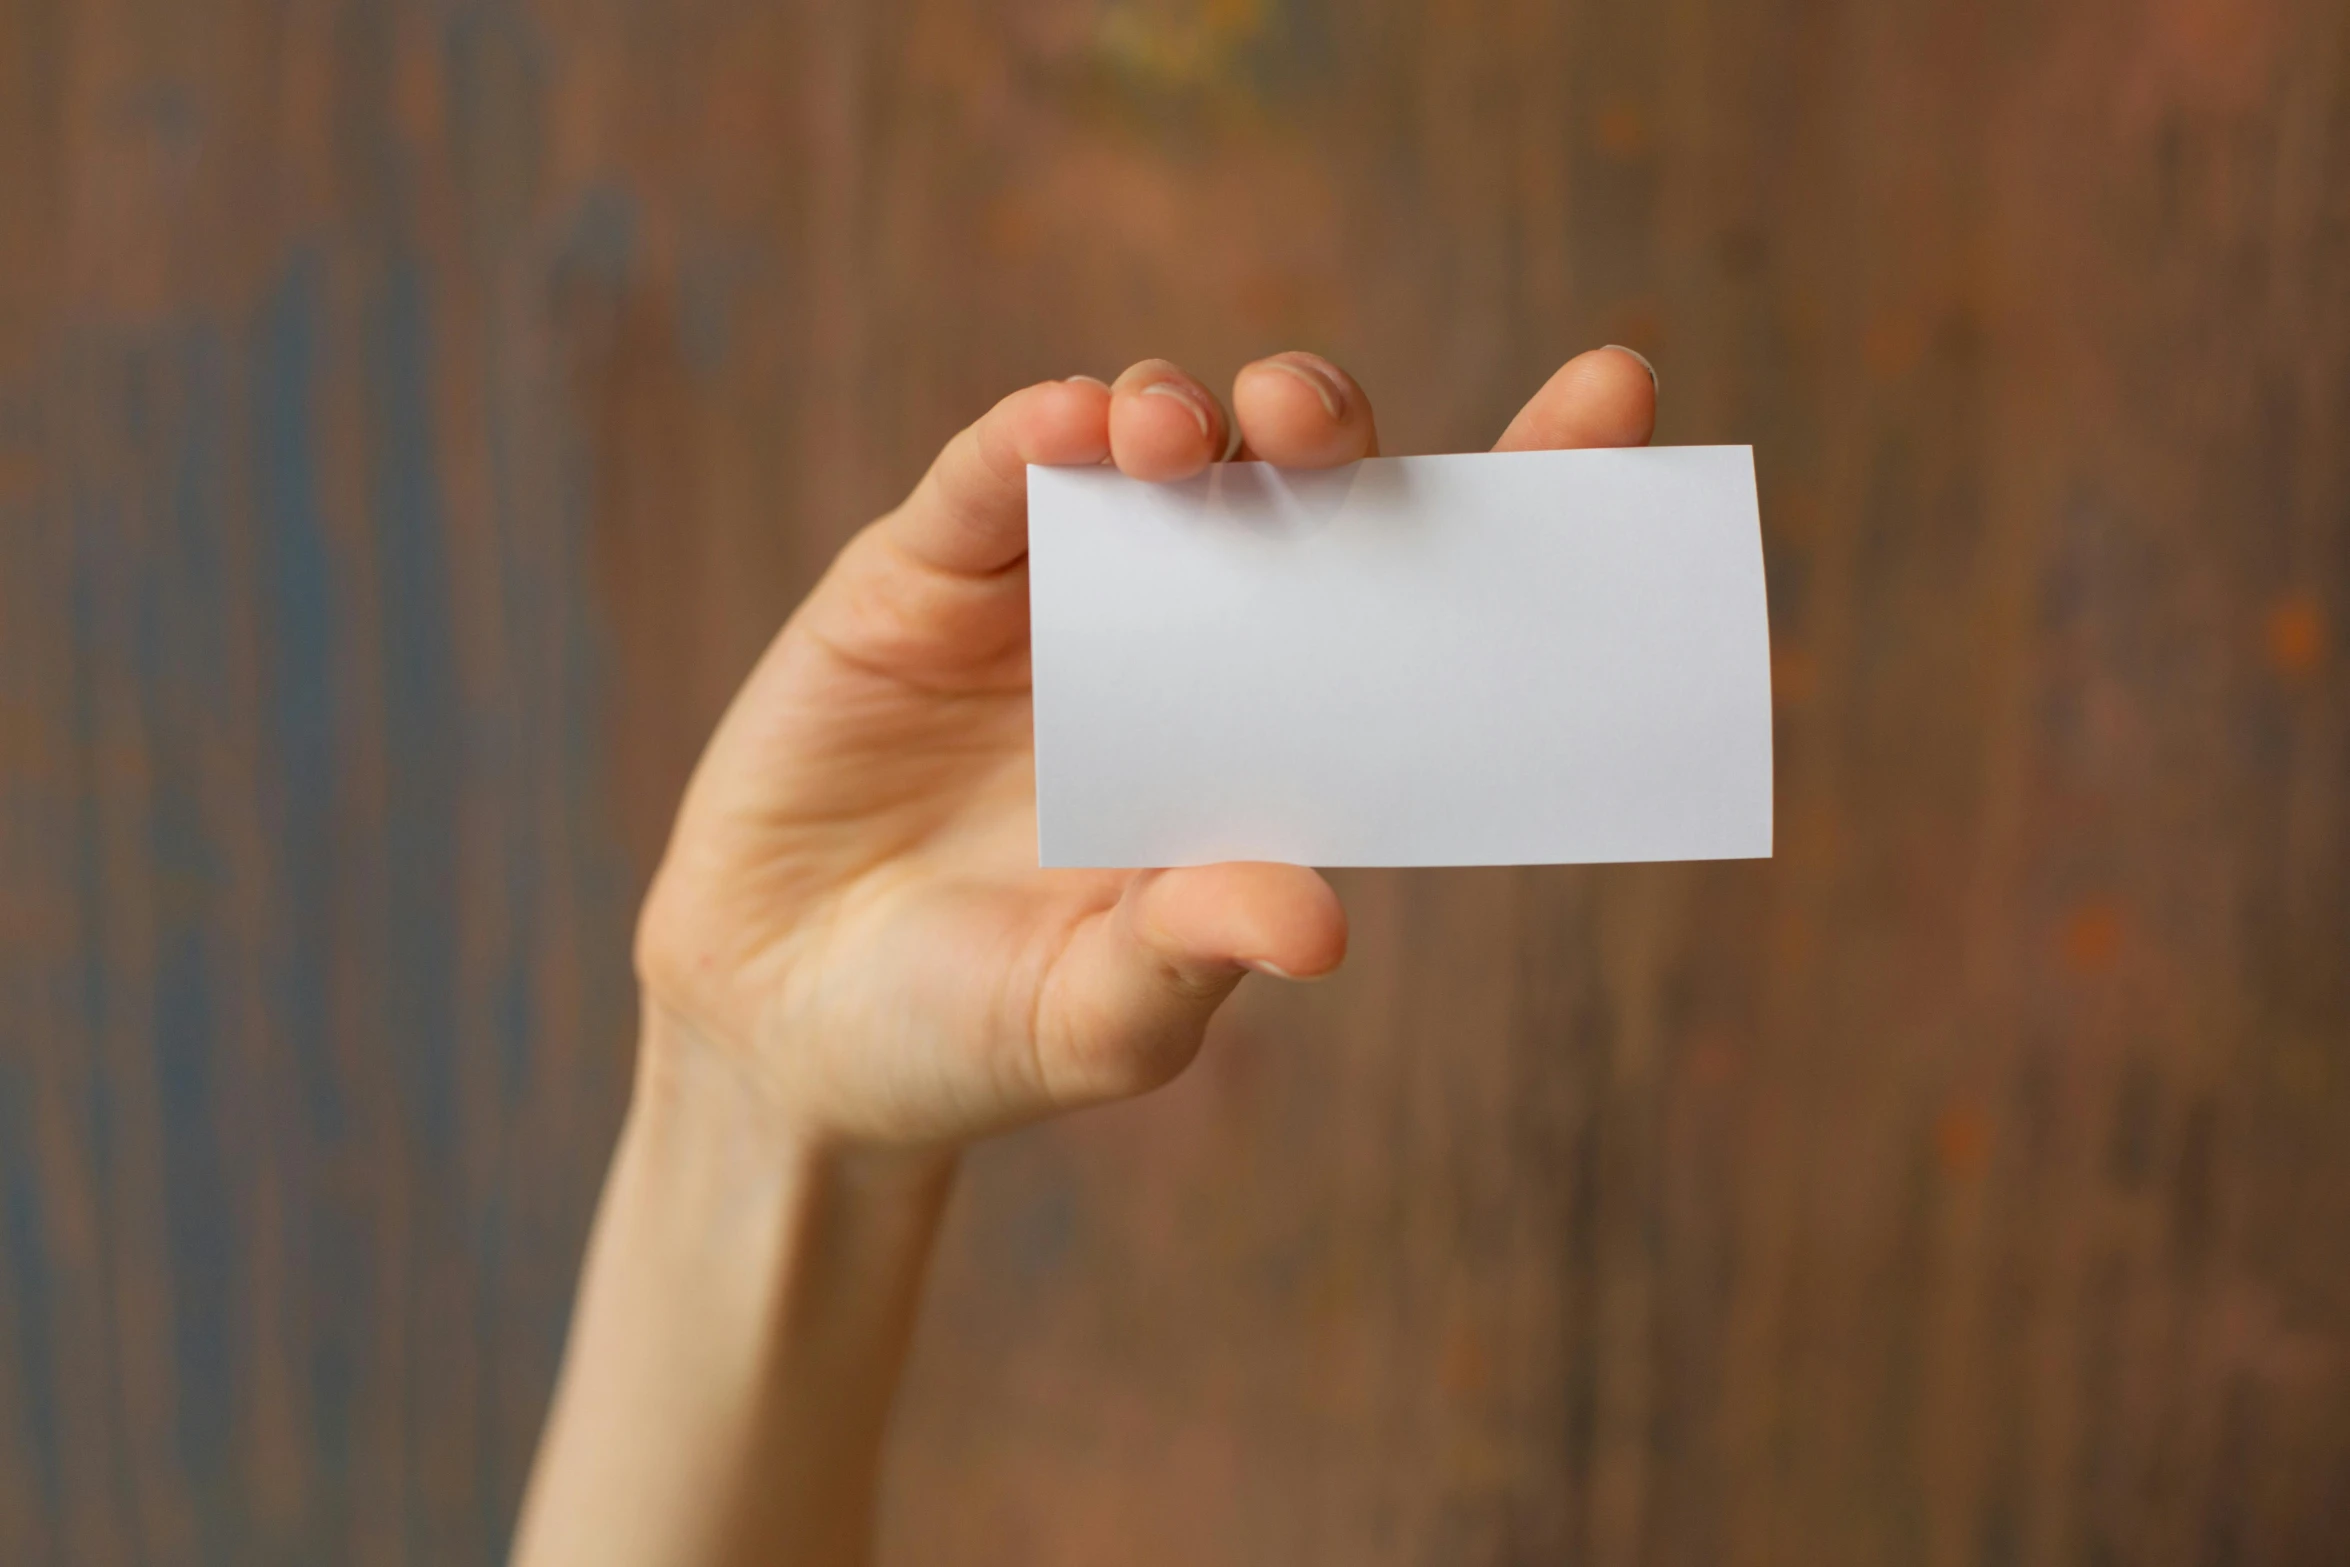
(1522, 658)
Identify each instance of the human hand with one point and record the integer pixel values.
(850, 916)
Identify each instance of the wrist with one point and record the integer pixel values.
(693, 1090)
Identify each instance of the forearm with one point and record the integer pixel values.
(742, 1320)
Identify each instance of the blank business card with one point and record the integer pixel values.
(1521, 658)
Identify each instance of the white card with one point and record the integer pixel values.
(1525, 658)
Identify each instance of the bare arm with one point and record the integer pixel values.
(852, 966)
(742, 1319)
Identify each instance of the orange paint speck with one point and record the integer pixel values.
(1011, 230)
(1466, 1367)
(1795, 675)
(2296, 638)
(1793, 511)
(1962, 1139)
(1622, 129)
(19, 475)
(1269, 299)
(1798, 937)
(2092, 938)
(1712, 1063)
(1636, 323)
(1892, 346)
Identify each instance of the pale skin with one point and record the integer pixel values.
(851, 967)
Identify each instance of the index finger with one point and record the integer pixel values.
(1606, 397)
(969, 515)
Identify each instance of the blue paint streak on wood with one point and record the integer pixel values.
(179, 596)
(197, 485)
(424, 773)
(421, 702)
(24, 1243)
(97, 535)
(600, 245)
(200, 1203)
(87, 1007)
(301, 667)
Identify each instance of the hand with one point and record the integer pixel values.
(851, 964)
(850, 915)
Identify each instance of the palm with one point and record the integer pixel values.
(852, 902)
(941, 937)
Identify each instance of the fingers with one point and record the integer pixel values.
(1302, 411)
(1606, 397)
(969, 515)
(1164, 425)
(1132, 995)
(962, 620)
(1295, 409)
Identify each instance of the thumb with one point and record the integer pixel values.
(1130, 998)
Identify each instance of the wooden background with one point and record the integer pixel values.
(415, 413)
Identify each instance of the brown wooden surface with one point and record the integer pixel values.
(414, 414)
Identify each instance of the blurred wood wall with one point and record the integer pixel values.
(415, 413)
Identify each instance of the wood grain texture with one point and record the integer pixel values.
(414, 414)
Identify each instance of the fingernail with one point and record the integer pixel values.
(1183, 396)
(1642, 358)
(1325, 384)
(1089, 380)
(1275, 971)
